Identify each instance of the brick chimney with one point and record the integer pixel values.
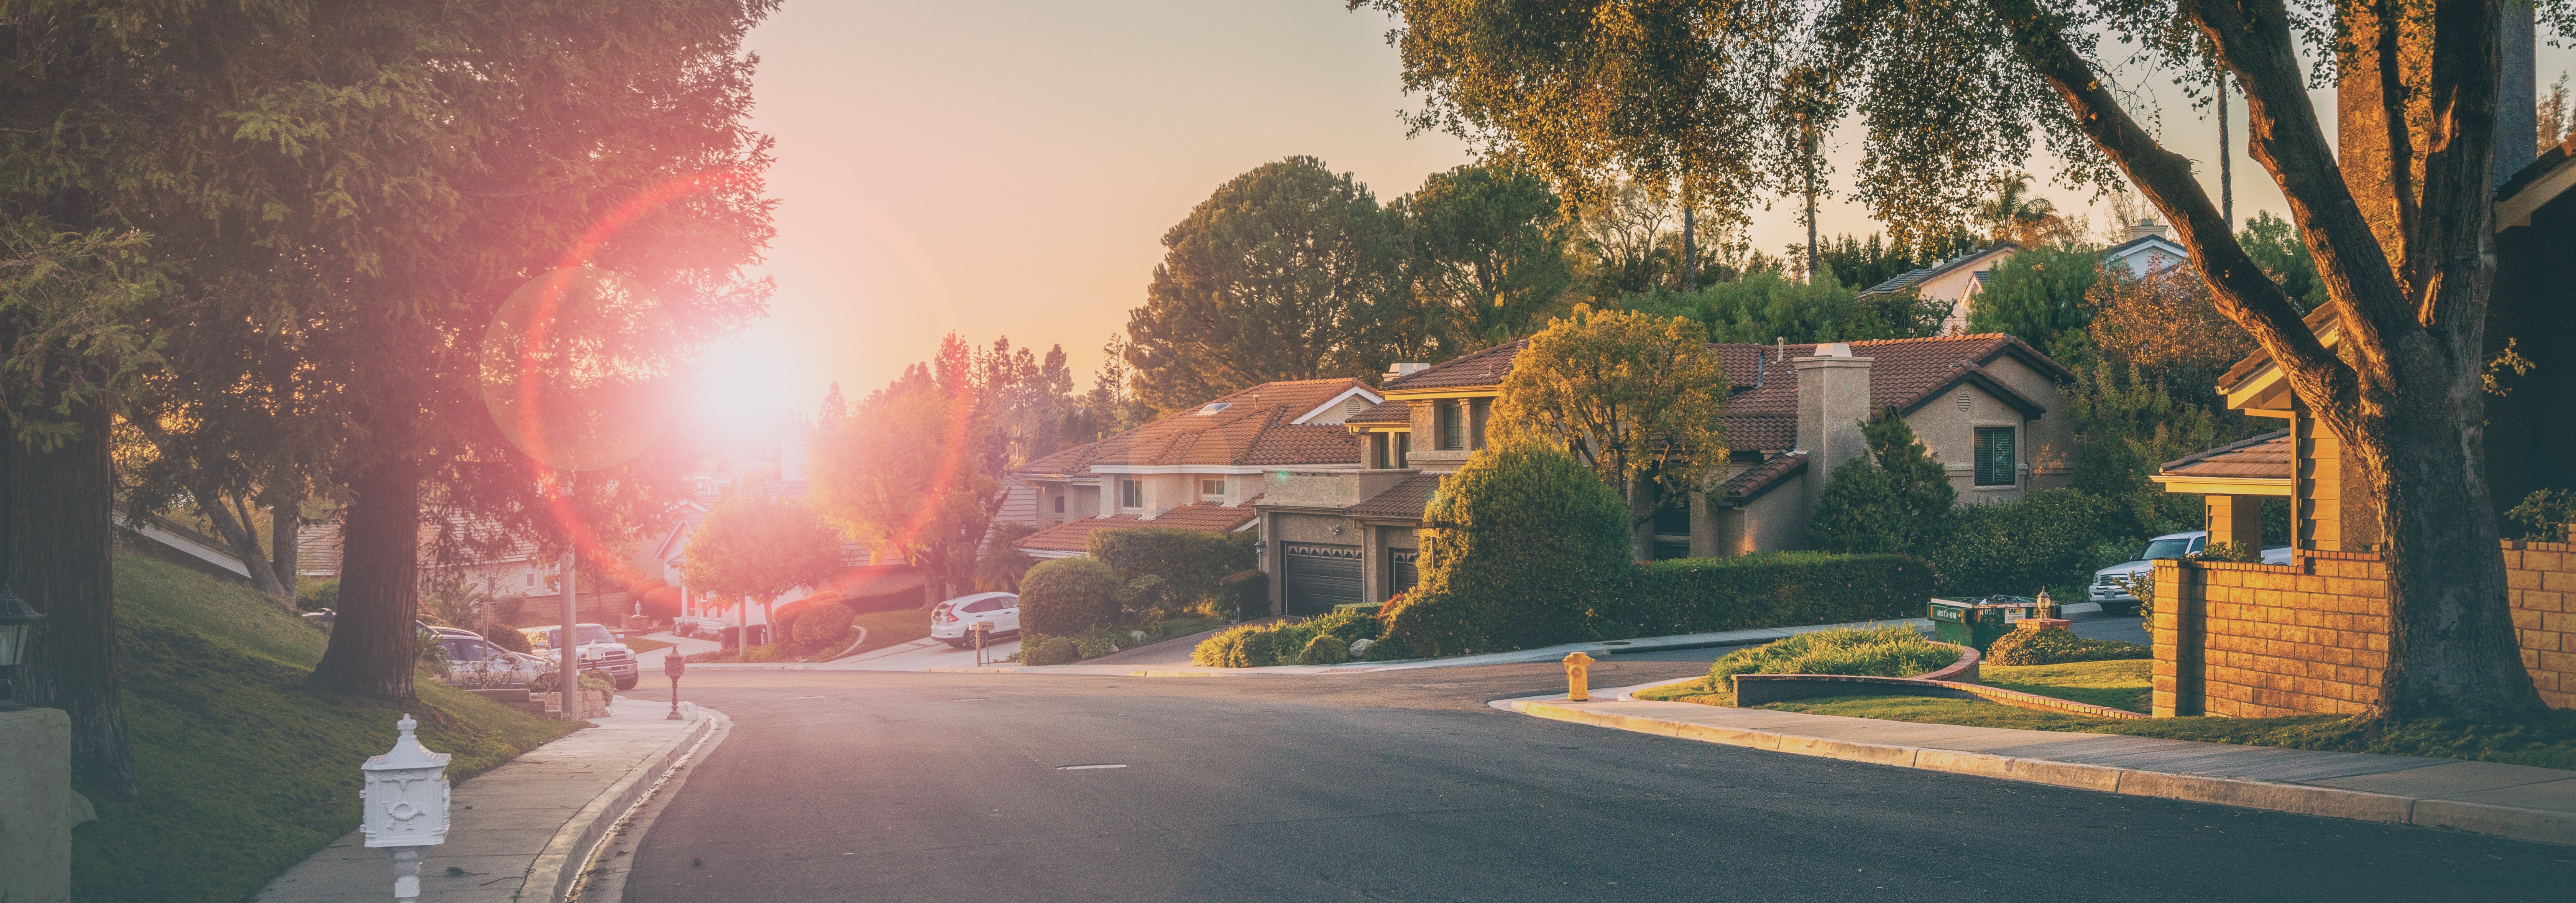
(1833, 399)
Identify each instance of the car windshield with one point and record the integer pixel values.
(589, 633)
(2167, 548)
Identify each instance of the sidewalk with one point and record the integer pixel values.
(521, 832)
(2520, 802)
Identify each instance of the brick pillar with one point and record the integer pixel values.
(2235, 518)
(2180, 641)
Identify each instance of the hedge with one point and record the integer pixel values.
(1248, 589)
(2044, 539)
(823, 625)
(1191, 563)
(2058, 647)
(1771, 589)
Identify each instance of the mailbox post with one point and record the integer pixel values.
(406, 805)
(979, 630)
(672, 665)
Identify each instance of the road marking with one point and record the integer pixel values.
(1085, 767)
(975, 699)
(794, 698)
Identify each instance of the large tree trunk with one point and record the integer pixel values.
(373, 641)
(2403, 238)
(60, 559)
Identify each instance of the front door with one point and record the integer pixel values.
(1318, 577)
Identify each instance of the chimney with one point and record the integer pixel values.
(1396, 370)
(2146, 226)
(1833, 399)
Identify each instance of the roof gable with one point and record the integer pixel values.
(1251, 427)
(1913, 278)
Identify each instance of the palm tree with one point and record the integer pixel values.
(2014, 215)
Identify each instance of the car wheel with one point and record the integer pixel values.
(628, 683)
(955, 644)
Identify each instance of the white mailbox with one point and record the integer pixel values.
(406, 805)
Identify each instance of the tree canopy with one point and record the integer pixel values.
(755, 547)
(1634, 397)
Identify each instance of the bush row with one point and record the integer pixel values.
(2058, 647)
(1770, 589)
(1321, 640)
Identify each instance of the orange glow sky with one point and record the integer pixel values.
(1004, 167)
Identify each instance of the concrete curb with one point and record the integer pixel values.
(570, 850)
(2479, 818)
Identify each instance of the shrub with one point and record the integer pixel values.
(1256, 646)
(1191, 564)
(823, 626)
(1436, 625)
(1067, 596)
(1040, 649)
(2058, 647)
(508, 638)
(1249, 589)
(1097, 642)
(318, 595)
(1772, 589)
(2044, 540)
(2545, 515)
(590, 680)
(1892, 651)
(1386, 649)
(1896, 500)
(773, 652)
(894, 601)
(1527, 542)
(1325, 649)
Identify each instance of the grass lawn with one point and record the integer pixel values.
(2546, 740)
(890, 628)
(242, 771)
(2119, 684)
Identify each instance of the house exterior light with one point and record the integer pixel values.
(16, 622)
(406, 805)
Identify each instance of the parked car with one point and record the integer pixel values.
(948, 620)
(598, 649)
(475, 662)
(2107, 590)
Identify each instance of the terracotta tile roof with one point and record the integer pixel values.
(1405, 499)
(1903, 374)
(1481, 369)
(1249, 427)
(1075, 535)
(1384, 412)
(2264, 457)
(2320, 321)
(1760, 478)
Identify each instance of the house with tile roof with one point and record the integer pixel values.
(1956, 280)
(2148, 249)
(1987, 406)
(1198, 469)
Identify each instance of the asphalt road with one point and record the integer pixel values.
(1406, 786)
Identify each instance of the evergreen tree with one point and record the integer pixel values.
(1898, 499)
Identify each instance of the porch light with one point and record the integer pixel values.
(16, 622)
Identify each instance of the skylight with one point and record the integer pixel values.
(1212, 407)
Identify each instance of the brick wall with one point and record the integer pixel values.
(2259, 641)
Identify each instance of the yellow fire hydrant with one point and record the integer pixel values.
(1578, 677)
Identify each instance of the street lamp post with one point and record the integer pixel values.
(16, 621)
(673, 664)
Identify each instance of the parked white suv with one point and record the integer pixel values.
(478, 663)
(948, 619)
(2106, 588)
(598, 650)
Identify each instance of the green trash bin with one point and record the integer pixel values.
(1979, 621)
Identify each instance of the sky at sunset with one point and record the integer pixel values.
(1007, 167)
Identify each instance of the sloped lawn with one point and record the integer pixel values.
(244, 772)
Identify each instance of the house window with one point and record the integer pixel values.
(1995, 458)
(1211, 487)
(1673, 520)
(1453, 428)
(1380, 457)
(1403, 447)
(532, 578)
(1476, 411)
(1131, 494)
(1059, 504)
